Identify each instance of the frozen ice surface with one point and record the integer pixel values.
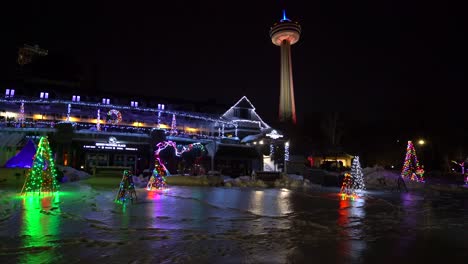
(231, 225)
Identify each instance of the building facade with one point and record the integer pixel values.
(99, 134)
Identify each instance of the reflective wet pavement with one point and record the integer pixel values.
(232, 225)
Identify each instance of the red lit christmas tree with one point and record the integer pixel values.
(411, 168)
(127, 188)
(42, 177)
(347, 188)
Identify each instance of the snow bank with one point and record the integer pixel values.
(380, 178)
(71, 174)
(244, 181)
(194, 180)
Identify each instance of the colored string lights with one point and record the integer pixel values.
(126, 188)
(411, 168)
(42, 177)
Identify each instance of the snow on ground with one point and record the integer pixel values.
(71, 174)
(380, 178)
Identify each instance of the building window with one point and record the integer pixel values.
(134, 104)
(75, 98)
(9, 93)
(44, 95)
(105, 100)
(160, 106)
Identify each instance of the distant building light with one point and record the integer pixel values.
(274, 135)
(261, 142)
(78, 98)
(44, 95)
(9, 93)
(108, 101)
(74, 98)
(105, 100)
(159, 106)
(162, 107)
(134, 104)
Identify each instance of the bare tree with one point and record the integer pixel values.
(332, 128)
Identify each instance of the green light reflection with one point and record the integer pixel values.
(39, 228)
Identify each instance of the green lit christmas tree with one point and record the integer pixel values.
(42, 177)
(127, 188)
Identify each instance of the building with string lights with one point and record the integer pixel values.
(107, 133)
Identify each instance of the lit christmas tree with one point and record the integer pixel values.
(411, 168)
(357, 175)
(42, 176)
(126, 189)
(158, 179)
(347, 188)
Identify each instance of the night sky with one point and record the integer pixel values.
(393, 69)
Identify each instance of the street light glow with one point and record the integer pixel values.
(421, 142)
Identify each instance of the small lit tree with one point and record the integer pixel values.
(347, 188)
(158, 179)
(126, 188)
(357, 175)
(42, 177)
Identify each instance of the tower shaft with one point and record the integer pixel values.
(287, 107)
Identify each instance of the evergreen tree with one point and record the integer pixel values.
(411, 168)
(127, 188)
(42, 177)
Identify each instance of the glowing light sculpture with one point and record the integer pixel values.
(126, 188)
(21, 114)
(158, 178)
(411, 168)
(42, 177)
(173, 125)
(98, 121)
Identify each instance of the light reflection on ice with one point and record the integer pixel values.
(351, 216)
(40, 224)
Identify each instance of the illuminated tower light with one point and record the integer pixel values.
(284, 34)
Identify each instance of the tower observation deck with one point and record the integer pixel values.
(284, 34)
